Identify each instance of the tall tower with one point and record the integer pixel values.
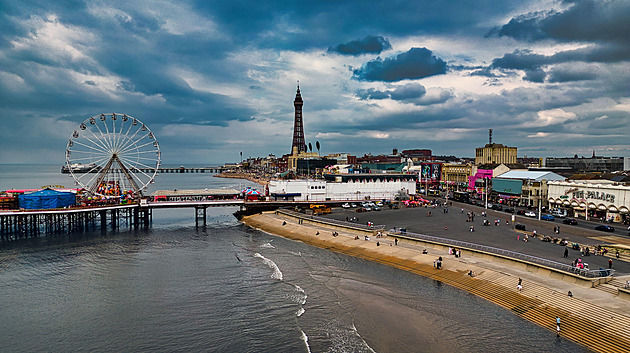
(298, 126)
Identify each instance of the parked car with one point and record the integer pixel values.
(570, 221)
(520, 212)
(346, 205)
(508, 210)
(605, 228)
(547, 217)
(353, 205)
(376, 208)
(530, 214)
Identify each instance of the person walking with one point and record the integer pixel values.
(566, 253)
(617, 254)
(557, 320)
(609, 263)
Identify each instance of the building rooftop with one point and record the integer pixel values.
(531, 175)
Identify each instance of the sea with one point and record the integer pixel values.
(229, 288)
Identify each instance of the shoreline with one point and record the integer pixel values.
(246, 176)
(593, 318)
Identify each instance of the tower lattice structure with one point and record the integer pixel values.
(299, 145)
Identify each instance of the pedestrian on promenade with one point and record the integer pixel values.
(519, 287)
(396, 241)
(566, 253)
(609, 263)
(520, 281)
(570, 294)
(617, 254)
(558, 320)
(557, 330)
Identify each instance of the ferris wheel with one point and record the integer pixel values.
(113, 155)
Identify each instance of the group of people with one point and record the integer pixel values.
(454, 251)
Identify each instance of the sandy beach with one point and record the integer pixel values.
(591, 317)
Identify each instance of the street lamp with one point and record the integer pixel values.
(485, 181)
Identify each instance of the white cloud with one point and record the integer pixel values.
(552, 117)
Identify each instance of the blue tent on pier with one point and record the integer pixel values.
(45, 199)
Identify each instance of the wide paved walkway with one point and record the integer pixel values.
(454, 225)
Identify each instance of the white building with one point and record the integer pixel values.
(344, 187)
(600, 199)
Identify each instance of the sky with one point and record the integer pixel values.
(213, 79)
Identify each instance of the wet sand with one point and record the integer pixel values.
(540, 301)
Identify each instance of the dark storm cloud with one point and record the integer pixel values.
(535, 75)
(371, 93)
(414, 64)
(528, 61)
(584, 20)
(409, 92)
(569, 74)
(368, 45)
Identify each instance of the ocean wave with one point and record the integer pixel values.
(277, 274)
(305, 339)
(268, 246)
(300, 312)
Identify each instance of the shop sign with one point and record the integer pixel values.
(596, 195)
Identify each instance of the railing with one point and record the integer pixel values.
(514, 255)
(469, 246)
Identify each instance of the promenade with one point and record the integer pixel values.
(593, 317)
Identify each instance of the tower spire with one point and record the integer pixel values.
(299, 145)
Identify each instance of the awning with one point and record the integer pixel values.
(574, 203)
(601, 207)
(612, 208)
(623, 209)
(566, 202)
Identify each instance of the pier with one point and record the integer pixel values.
(23, 224)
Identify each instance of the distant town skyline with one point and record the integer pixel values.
(214, 79)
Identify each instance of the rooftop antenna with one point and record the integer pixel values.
(490, 133)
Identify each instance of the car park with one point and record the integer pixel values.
(570, 221)
(530, 214)
(547, 217)
(605, 228)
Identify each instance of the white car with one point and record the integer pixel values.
(530, 214)
(346, 205)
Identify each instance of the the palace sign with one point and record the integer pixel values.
(594, 195)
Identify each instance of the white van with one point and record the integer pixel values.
(559, 213)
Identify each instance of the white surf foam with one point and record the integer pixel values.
(268, 246)
(305, 339)
(277, 274)
(300, 312)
